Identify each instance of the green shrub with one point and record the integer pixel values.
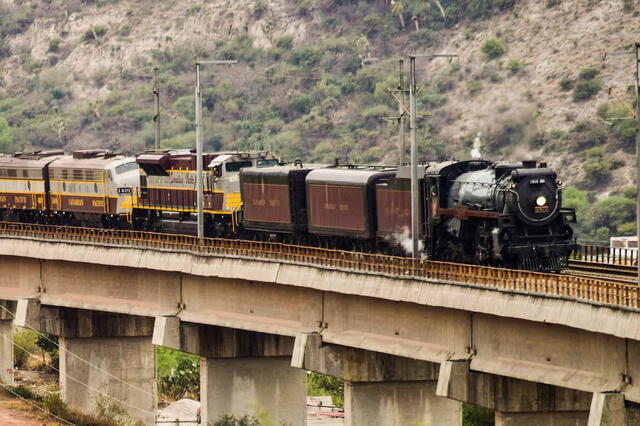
(566, 84)
(491, 73)
(552, 3)
(235, 421)
(514, 66)
(285, 42)
(588, 73)
(597, 173)
(474, 415)
(585, 89)
(58, 93)
(240, 48)
(586, 135)
(321, 385)
(53, 403)
(54, 45)
(474, 87)
(94, 33)
(373, 24)
(304, 57)
(301, 104)
(493, 48)
(178, 374)
(24, 341)
(25, 392)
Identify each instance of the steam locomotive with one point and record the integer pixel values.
(505, 214)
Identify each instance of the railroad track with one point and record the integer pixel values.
(599, 270)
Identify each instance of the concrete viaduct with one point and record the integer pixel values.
(411, 347)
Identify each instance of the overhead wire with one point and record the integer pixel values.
(85, 361)
(7, 388)
(91, 388)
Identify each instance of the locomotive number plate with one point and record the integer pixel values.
(122, 191)
(542, 209)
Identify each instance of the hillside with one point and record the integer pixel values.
(531, 77)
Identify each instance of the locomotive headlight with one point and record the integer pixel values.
(541, 201)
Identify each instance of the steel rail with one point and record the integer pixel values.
(573, 287)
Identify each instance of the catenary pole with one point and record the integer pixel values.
(402, 149)
(200, 145)
(156, 117)
(415, 202)
(637, 46)
(199, 149)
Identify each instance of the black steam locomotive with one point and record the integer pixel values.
(503, 214)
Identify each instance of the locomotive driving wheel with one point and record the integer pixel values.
(483, 243)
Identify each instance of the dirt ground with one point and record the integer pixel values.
(14, 412)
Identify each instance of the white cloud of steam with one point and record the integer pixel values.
(403, 240)
(477, 144)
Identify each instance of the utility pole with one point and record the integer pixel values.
(415, 190)
(415, 193)
(156, 117)
(200, 146)
(402, 149)
(637, 52)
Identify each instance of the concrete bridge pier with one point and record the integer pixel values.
(7, 312)
(241, 372)
(107, 361)
(380, 389)
(516, 402)
(398, 403)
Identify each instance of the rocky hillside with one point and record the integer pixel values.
(532, 77)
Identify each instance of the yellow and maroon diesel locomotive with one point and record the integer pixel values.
(87, 188)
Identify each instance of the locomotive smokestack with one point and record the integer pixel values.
(529, 164)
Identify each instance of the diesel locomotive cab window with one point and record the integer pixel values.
(127, 167)
(266, 163)
(234, 167)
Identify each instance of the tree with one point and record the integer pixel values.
(6, 136)
(397, 8)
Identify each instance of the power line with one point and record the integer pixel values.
(79, 381)
(36, 405)
(84, 360)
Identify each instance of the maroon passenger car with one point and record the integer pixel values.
(342, 201)
(274, 198)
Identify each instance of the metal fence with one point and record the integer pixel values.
(555, 285)
(602, 254)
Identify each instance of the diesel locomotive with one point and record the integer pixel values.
(503, 214)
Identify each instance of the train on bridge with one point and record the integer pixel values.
(477, 211)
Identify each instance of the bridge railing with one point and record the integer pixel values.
(603, 254)
(551, 285)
